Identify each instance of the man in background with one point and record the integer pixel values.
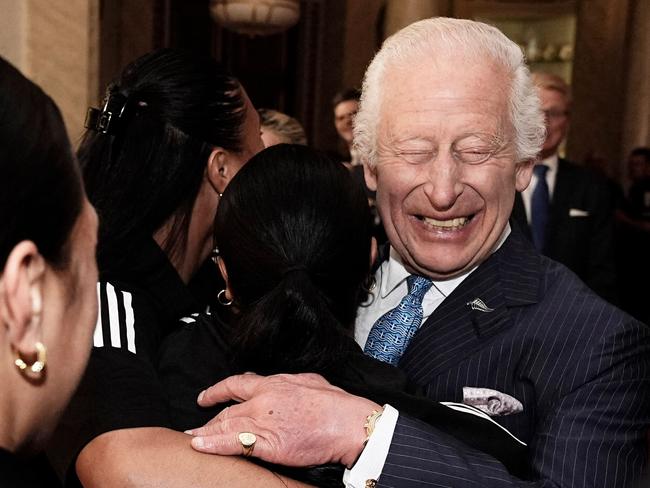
(345, 105)
(568, 210)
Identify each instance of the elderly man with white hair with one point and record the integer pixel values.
(450, 127)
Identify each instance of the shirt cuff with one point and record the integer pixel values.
(371, 462)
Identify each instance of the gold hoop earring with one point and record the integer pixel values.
(37, 366)
(220, 298)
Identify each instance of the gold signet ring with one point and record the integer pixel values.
(247, 440)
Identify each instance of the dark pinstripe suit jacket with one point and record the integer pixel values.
(580, 367)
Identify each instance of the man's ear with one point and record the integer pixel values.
(21, 296)
(523, 174)
(220, 169)
(370, 175)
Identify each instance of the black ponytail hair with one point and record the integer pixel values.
(40, 186)
(170, 108)
(293, 229)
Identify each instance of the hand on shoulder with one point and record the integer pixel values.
(297, 420)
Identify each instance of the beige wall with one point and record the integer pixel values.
(62, 55)
(13, 31)
(55, 44)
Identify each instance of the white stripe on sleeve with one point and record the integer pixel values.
(98, 336)
(130, 321)
(113, 316)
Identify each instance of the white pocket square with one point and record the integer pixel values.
(492, 402)
(576, 212)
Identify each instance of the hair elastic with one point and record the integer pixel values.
(295, 269)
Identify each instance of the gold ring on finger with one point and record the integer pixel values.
(247, 440)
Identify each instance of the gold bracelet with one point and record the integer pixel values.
(371, 421)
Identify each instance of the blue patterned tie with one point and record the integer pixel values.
(392, 332)
(539, 207)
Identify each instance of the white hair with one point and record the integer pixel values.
(452, 38)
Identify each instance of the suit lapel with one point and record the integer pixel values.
(518, 217)
(455, 330)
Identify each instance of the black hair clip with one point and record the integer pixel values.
(107, 119)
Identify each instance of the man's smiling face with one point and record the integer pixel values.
(446, 170)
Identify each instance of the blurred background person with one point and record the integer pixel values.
(567, 210)
(633, 236)
(48, 300)
(638, 195)
(278, 128)
(345, 104)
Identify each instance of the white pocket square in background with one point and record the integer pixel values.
(492, 402)
(576, 212)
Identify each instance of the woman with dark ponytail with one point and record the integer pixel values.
(296, 252)
(293, 232)
(173, 129)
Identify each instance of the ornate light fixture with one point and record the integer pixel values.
(256, 17)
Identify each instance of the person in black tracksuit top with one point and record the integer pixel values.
(173, 130)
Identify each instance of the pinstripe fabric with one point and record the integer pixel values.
(580, 367)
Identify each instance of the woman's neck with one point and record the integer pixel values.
(198, 241)
(179, 258)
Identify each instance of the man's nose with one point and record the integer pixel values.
(444, 185)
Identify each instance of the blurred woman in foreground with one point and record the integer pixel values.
(48, 300)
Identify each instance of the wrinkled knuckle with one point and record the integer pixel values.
(224, 414)
(315, 377)
(282, 377)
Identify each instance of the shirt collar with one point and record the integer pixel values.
(393, 272)
(551, 162)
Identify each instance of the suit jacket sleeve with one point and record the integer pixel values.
(594, 435)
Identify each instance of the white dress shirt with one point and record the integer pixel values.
(551, 176)
(391, 288)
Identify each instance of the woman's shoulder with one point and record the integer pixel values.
(192, 358)
(197, 335)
